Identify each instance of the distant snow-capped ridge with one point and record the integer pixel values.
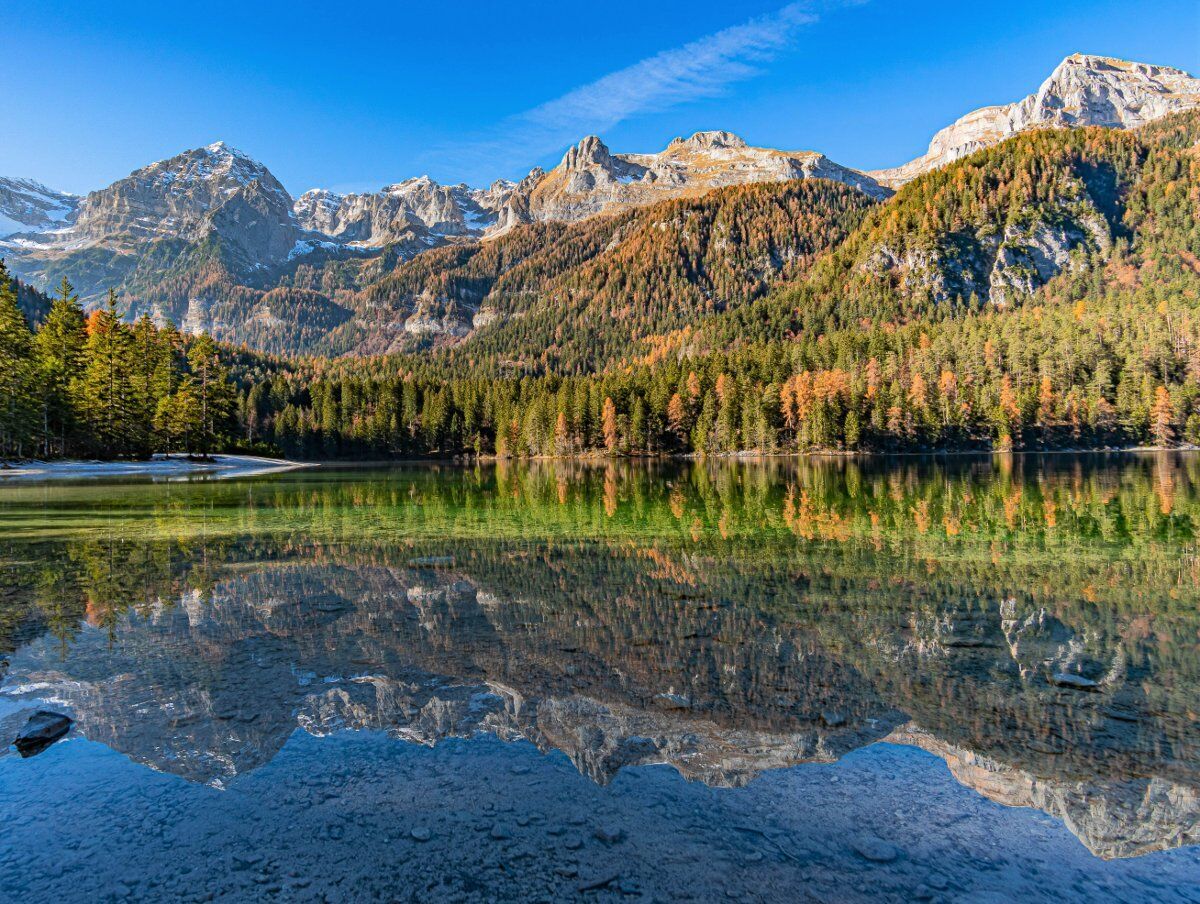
(374, 219)
(1082, 91)
(590, 180)
(220, 191)
(29, 206)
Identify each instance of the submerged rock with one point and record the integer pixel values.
(42, 730)
(610, 835)
(1078, 682)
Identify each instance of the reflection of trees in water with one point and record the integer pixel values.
(56, 587)
(762, 595)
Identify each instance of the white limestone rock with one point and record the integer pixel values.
(1082, 91)
(592, 180)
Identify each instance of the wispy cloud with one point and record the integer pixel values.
(700, 69)
(697, 70)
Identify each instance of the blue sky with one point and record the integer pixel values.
(353, 96)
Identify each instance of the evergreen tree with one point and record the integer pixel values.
(105, 389)
(59, 345)
(18, 398)
(214, 399)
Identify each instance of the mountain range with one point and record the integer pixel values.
(211, 240)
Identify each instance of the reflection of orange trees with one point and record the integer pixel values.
(668, 568)
(1050, 512)
(678, 502)
(920, 515)
(611, 492)
(1164, 483)
(1120, 529)
(807, 520)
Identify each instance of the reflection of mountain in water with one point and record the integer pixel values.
(626, 654)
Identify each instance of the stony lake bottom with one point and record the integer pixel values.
(955, 679)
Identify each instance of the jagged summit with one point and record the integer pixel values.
(1083, 90)
(591, 151)
(199, 192)
(592, 180)
(418, 209)
(223, 148)
(709, 140)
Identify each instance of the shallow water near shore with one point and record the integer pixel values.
(956, 679)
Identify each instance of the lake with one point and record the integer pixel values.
(952, 679)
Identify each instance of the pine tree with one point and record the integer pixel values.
(105, 388)
(1162, 416)
(177, 418)
(214, 398)
(59, 345)
(18, 397)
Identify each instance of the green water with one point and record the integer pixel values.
(1032, 622)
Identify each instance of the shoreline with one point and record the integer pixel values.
(227, 466)
(221, 467)
(750, 455)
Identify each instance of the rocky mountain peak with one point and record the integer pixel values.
(710, 140)
(418, 183)
(1103, 91)
(213, 189)
(218, 165)
(590, 152)
(1083, 90)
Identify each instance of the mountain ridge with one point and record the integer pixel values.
(204, 237)
(1083, 90)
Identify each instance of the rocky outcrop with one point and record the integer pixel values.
(1082, 91)
(42, 730)
(1003, 266)
(415, 207)
(591, 180)
(434, 318)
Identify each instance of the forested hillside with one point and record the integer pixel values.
(663, 270)
(1043, 292)
(91, 385)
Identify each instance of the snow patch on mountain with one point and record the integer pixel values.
(29, 206)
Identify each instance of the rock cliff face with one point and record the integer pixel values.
(592, 180)
(215, 190)
(1082, 91)
(415, 207)
(28, 206)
